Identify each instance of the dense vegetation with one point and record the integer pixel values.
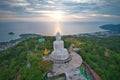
(102, 54)
(14, 61)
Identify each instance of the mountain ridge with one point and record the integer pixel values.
(111, 27)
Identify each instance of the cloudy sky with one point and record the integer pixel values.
(70, 10)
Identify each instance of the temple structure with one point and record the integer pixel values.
(64, 62)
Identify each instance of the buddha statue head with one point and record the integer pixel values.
(58, 37)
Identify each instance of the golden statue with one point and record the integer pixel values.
(45, 52)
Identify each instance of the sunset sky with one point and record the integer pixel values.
(63, 10)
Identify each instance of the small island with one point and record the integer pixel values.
(11, 33)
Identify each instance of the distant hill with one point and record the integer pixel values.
(111, 27)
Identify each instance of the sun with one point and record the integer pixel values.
(57, 15)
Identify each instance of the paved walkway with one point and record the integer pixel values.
(70, 69)
(73, 64)
(76, 59)
(75, 75)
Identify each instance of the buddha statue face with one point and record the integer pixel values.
(58, 37)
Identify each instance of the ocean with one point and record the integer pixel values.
(46, 28)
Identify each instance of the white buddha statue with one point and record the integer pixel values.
(59, 53)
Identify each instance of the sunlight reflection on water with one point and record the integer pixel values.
(42, 28)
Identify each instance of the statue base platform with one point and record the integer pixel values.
(61, 61)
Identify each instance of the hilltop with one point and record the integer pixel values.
(102, 54)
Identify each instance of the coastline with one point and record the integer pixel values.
(107, 32)
(23, 37)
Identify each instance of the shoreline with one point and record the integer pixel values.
(23, 37)
(101, 34)
(111, 31)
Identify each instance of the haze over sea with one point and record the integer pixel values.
(46, 28)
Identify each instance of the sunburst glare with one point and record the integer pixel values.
(58, 28)
(57, 15)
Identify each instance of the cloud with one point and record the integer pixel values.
(4, 13)
(104, 15)
(15, 3)
(86, 1)
(72, 9)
